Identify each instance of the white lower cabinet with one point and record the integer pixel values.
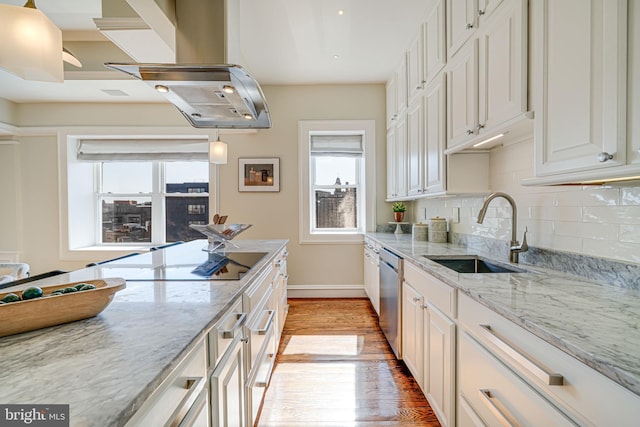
(372, 274)
(413, 332)
(498, 396)
(227, 387)
(558, 385)
(178, 400)
(429, 339)
(439, 364)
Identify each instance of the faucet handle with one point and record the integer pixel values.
(516, 247)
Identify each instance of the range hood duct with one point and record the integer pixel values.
(207, 91)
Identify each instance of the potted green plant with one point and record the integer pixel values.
(399, 209)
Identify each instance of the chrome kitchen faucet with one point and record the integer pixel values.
(515, 247)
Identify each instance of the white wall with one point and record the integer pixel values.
(601, 221)
(274, 215)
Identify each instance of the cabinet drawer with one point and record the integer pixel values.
(497, 395)
(224, 331)
(436, 292)
(253, 295)
(175, 399)
(590, 397)
(260, 329)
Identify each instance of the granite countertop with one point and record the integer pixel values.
(105, 367)
(594, 322)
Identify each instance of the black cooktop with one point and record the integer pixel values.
(178, 266)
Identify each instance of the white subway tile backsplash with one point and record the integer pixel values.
(558, 213)
(587, 230)
(592, 197)
(613, 214)
(601, 221)
(630, 196)
(627, 252)
(630, 233)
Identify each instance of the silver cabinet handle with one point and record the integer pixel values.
(528, 363)
(194, 385)
(469, 26)
(469, 132)
(480, 126)
(416, 299)
(267, 324)
(263, 383)
(488, 400)
(231, 333)
(604, 156)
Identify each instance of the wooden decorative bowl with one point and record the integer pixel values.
(50, 310)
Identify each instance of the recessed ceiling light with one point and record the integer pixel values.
(228, 89)
(336, 57)
(162, 88)
(248, 116)
(340, 12)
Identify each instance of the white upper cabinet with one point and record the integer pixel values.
(397, 159)
(434, 42)
(435, 135)
(487, 80)
(580, 69)
(396, 93)
(415, 67)
(416, 148)
(461, 23)
(462, 95)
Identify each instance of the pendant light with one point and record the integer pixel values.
(218, 151)
(31, 45)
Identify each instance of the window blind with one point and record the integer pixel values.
(142, 149)
(336, 145)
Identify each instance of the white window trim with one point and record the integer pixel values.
(305, 128)
(67, 140)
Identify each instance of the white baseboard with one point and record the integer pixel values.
(326, 291)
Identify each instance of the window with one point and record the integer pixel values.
(337, 191)
(132, 190)
(130, 202)
(336, 167)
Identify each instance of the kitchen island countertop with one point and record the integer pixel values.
(106, 367)
(594, 322)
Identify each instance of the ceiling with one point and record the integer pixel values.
(279, 42)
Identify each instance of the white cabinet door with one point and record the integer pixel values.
(401, 86)
(486, 8)
(502, 66)
(412, 331)
(416, 148)
(227, 388)
(401, 156)
(391, 101)
(439, 376)
(415, 64)
(435, 56)
(435, 135)
(580, 98)
(392, 190)
(461, 23)
(462, 95)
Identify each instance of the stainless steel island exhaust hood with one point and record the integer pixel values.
(209, 96)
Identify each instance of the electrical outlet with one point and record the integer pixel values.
(455, 218)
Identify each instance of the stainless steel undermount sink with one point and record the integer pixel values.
(471, 264)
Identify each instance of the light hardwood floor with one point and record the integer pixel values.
(335, 368)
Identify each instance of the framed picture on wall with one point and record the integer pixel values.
(259, 174)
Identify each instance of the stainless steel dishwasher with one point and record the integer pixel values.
(391, 271)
